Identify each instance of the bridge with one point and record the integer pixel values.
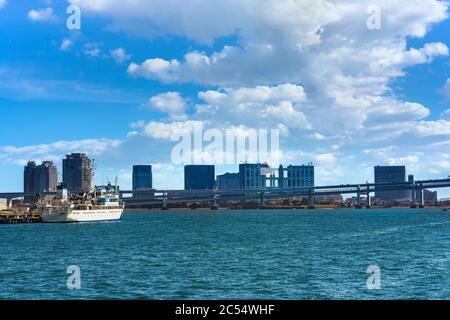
(165, 197)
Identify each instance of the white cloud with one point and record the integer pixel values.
(56, 151)
(45, 14)
(160, 69)
(65, 44)
(120, 55)
(446, 114)
(257, 107)
(445, 90)
(171, 103)
(286, 113)
(325, 159)
(432, 128)
(164, 131)
(3, 3)
(92, 49)
(310, 67)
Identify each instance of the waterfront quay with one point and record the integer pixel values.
(18, 216)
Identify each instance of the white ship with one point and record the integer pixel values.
(102, 205)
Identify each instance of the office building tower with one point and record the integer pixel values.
(228, 181)
(40, 178)
(142, 177)
(199, 177)
(296, 176)
(387, 175)
(77, 173)
(250, 176)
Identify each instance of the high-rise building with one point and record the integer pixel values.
(40, 178)
(250, 176)
(296, 176)
(428, 196)
(142, 177)
(77, 173)
(391, 174)
(261, 176)
(199, 177)
(228, 181)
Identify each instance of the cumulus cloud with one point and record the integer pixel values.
(258, 107)
(120, 55)
(432, 128)
(92, 49)
(345, 70)
(311, 68)
(445, 90)
(65, 45)
(446, 114)
(56, 151)
(165, 131)
(171, 103)
(45, 14)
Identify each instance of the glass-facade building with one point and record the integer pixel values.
(199, 177)
(142, 177)
(250, 176)
(299, 176)
(390, 174)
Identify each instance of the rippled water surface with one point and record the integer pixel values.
(232, 255)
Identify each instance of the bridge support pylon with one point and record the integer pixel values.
(358, 198)
(164, 205)
(421, 198)
(262, 200)
(369, 202)
(311, 200)
(215, 205)
(413, 198)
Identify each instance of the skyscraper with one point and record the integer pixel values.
(142, 177)
(199, 177)
(77, 172)
(40, 178)
(390, 174)
(228, 181)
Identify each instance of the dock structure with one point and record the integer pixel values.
(15, 216)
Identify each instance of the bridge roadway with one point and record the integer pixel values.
(165, 197)
(186, 196)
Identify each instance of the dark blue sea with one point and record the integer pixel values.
(267, 254)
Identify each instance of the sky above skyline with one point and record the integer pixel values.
(343, 96)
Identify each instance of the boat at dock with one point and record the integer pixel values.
(101, 205)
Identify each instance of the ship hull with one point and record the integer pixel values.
(74, 216)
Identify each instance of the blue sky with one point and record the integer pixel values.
(343, 96)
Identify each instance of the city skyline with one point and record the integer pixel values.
(202, 177)
(347, 99)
